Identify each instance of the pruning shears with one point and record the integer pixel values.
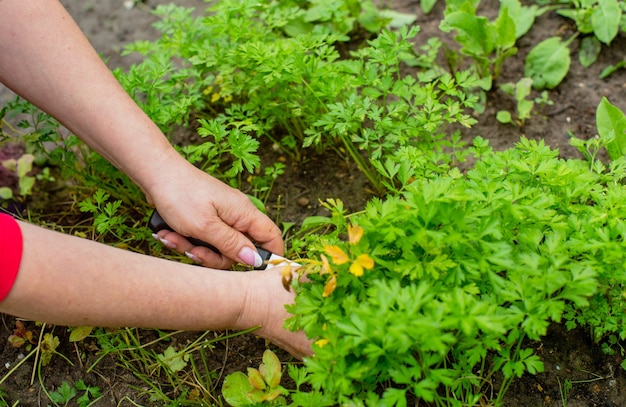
(270, 259)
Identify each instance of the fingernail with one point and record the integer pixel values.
(251, 257)
(167, 243)
(156, 237)
(193, 257)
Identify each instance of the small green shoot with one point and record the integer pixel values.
(488, 43)
(65, 393)
(521, 90)
(22, 167)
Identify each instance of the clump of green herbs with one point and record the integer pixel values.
(248, 69)
(464, 269)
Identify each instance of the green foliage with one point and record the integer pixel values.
(521, 90)
(602, 18)
(174, 370)
(298, 91)
(260, 385)
(464, 269)
(66, 393)
(548, 63)
(599, 21)
(611, 124)
(488, 43)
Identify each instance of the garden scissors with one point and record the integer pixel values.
(269, 259)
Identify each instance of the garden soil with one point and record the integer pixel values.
(577, 372)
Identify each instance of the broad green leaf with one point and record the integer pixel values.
(505, 29)
(315, 221)
(589, 50)
(6, 193)
(427, 5)
(79, 333)
(548, 63)
(236, 388)
(523, 16)
(26, 185)
(605, 20)
(504, 117)
(397, 19)
(475, 33)
(25, 164)
(257, 203)
(271, 369)
(611, 123)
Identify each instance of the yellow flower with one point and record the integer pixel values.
(215, 97)
(337, 255)
(355, 233)
(364, 261)
(321, 342)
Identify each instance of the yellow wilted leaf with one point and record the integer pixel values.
(355, 233)
(336, 254)
(330, 286)
(325, 265)
(287, 276)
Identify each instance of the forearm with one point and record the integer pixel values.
(47, 60)
(71, 281)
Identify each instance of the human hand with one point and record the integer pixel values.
(264, 306)
(197, 205)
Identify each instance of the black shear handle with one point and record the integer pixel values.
(157, 223)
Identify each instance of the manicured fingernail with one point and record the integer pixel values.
(193, 257)
(156, 237)
(251, 257)
(167, 243)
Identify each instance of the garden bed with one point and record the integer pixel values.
(577, 372)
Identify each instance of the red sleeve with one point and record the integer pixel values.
(10, 253)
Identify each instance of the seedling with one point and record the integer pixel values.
(488, 43)
(521, 90)
(260, 385)
(65, 393)
(21, 167)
